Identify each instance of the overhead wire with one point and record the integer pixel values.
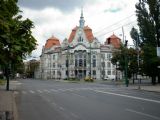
(114, 23)
(116, 28)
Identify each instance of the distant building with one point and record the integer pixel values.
(79, 56)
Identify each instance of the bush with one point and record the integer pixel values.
(71, 79)
(2, 82)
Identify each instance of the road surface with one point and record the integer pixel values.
(51, 100)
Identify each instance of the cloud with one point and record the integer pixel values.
(113, 10)
(59, 19)
(114, 6)
(63, 5)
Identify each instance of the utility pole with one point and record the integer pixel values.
(126, 64)
(90, 61)
(137, 47)
(123, 34)
(67, 63)
(125, 42)
(103, 65)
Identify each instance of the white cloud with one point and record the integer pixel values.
(99, 16)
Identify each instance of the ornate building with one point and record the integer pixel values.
(79, 56)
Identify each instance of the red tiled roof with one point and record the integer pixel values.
(88, 33)
(51, 42)
(114, 40)
(73, 33)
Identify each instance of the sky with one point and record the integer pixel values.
(58, 18)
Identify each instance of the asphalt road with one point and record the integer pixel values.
(51, 100)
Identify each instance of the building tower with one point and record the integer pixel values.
(81, 21)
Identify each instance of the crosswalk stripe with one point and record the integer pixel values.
(53, 90)
(31, 91)
(39, 91)
(67, 89)
(47, 91)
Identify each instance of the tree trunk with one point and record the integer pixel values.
(7, 77)
(133, 78)
(159, 78)
(153, 80)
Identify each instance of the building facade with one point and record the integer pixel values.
(79, 56)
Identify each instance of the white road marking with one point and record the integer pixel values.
(144, 114)
(39, 91)
(61, 108)
(54, 104)
(31, 91)
(133, 97)
(47, 91)
(74, 115)
(53, 90)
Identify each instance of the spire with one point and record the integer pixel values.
(81, 21)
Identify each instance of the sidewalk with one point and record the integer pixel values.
(145, 87)
(8, 110)
(151, 88)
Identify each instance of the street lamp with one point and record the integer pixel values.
(158, 46)
(67, 62)
(126, 65)
(117, 63)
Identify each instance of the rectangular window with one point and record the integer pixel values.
(54, 65)
(103, 73)
(103, 64)
(80, 63)
(84, 62)
(66, 72)
(94, 72)
(113, 72)
(109, 65)
(58, 72)
(76, 63)
(103, 56)
(109, 72)
(53, 72)
(67, 63)
(54, 57)
(109, 55)
(94, 62)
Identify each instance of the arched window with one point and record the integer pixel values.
(80, 39)
(94, 60)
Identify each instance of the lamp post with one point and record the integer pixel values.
(67, 63)
(117, 63)
(158, 44)
(126, 65)
(90, 62)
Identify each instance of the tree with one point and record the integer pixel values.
(16, 40)
(148, 17)
(119, 56)
(135, 36)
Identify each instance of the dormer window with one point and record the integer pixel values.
(80, 39)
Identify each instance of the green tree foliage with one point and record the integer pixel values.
(148, 17)
(135, 36)
(119, 57)
(16, 40)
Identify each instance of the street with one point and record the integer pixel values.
(53, 100)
